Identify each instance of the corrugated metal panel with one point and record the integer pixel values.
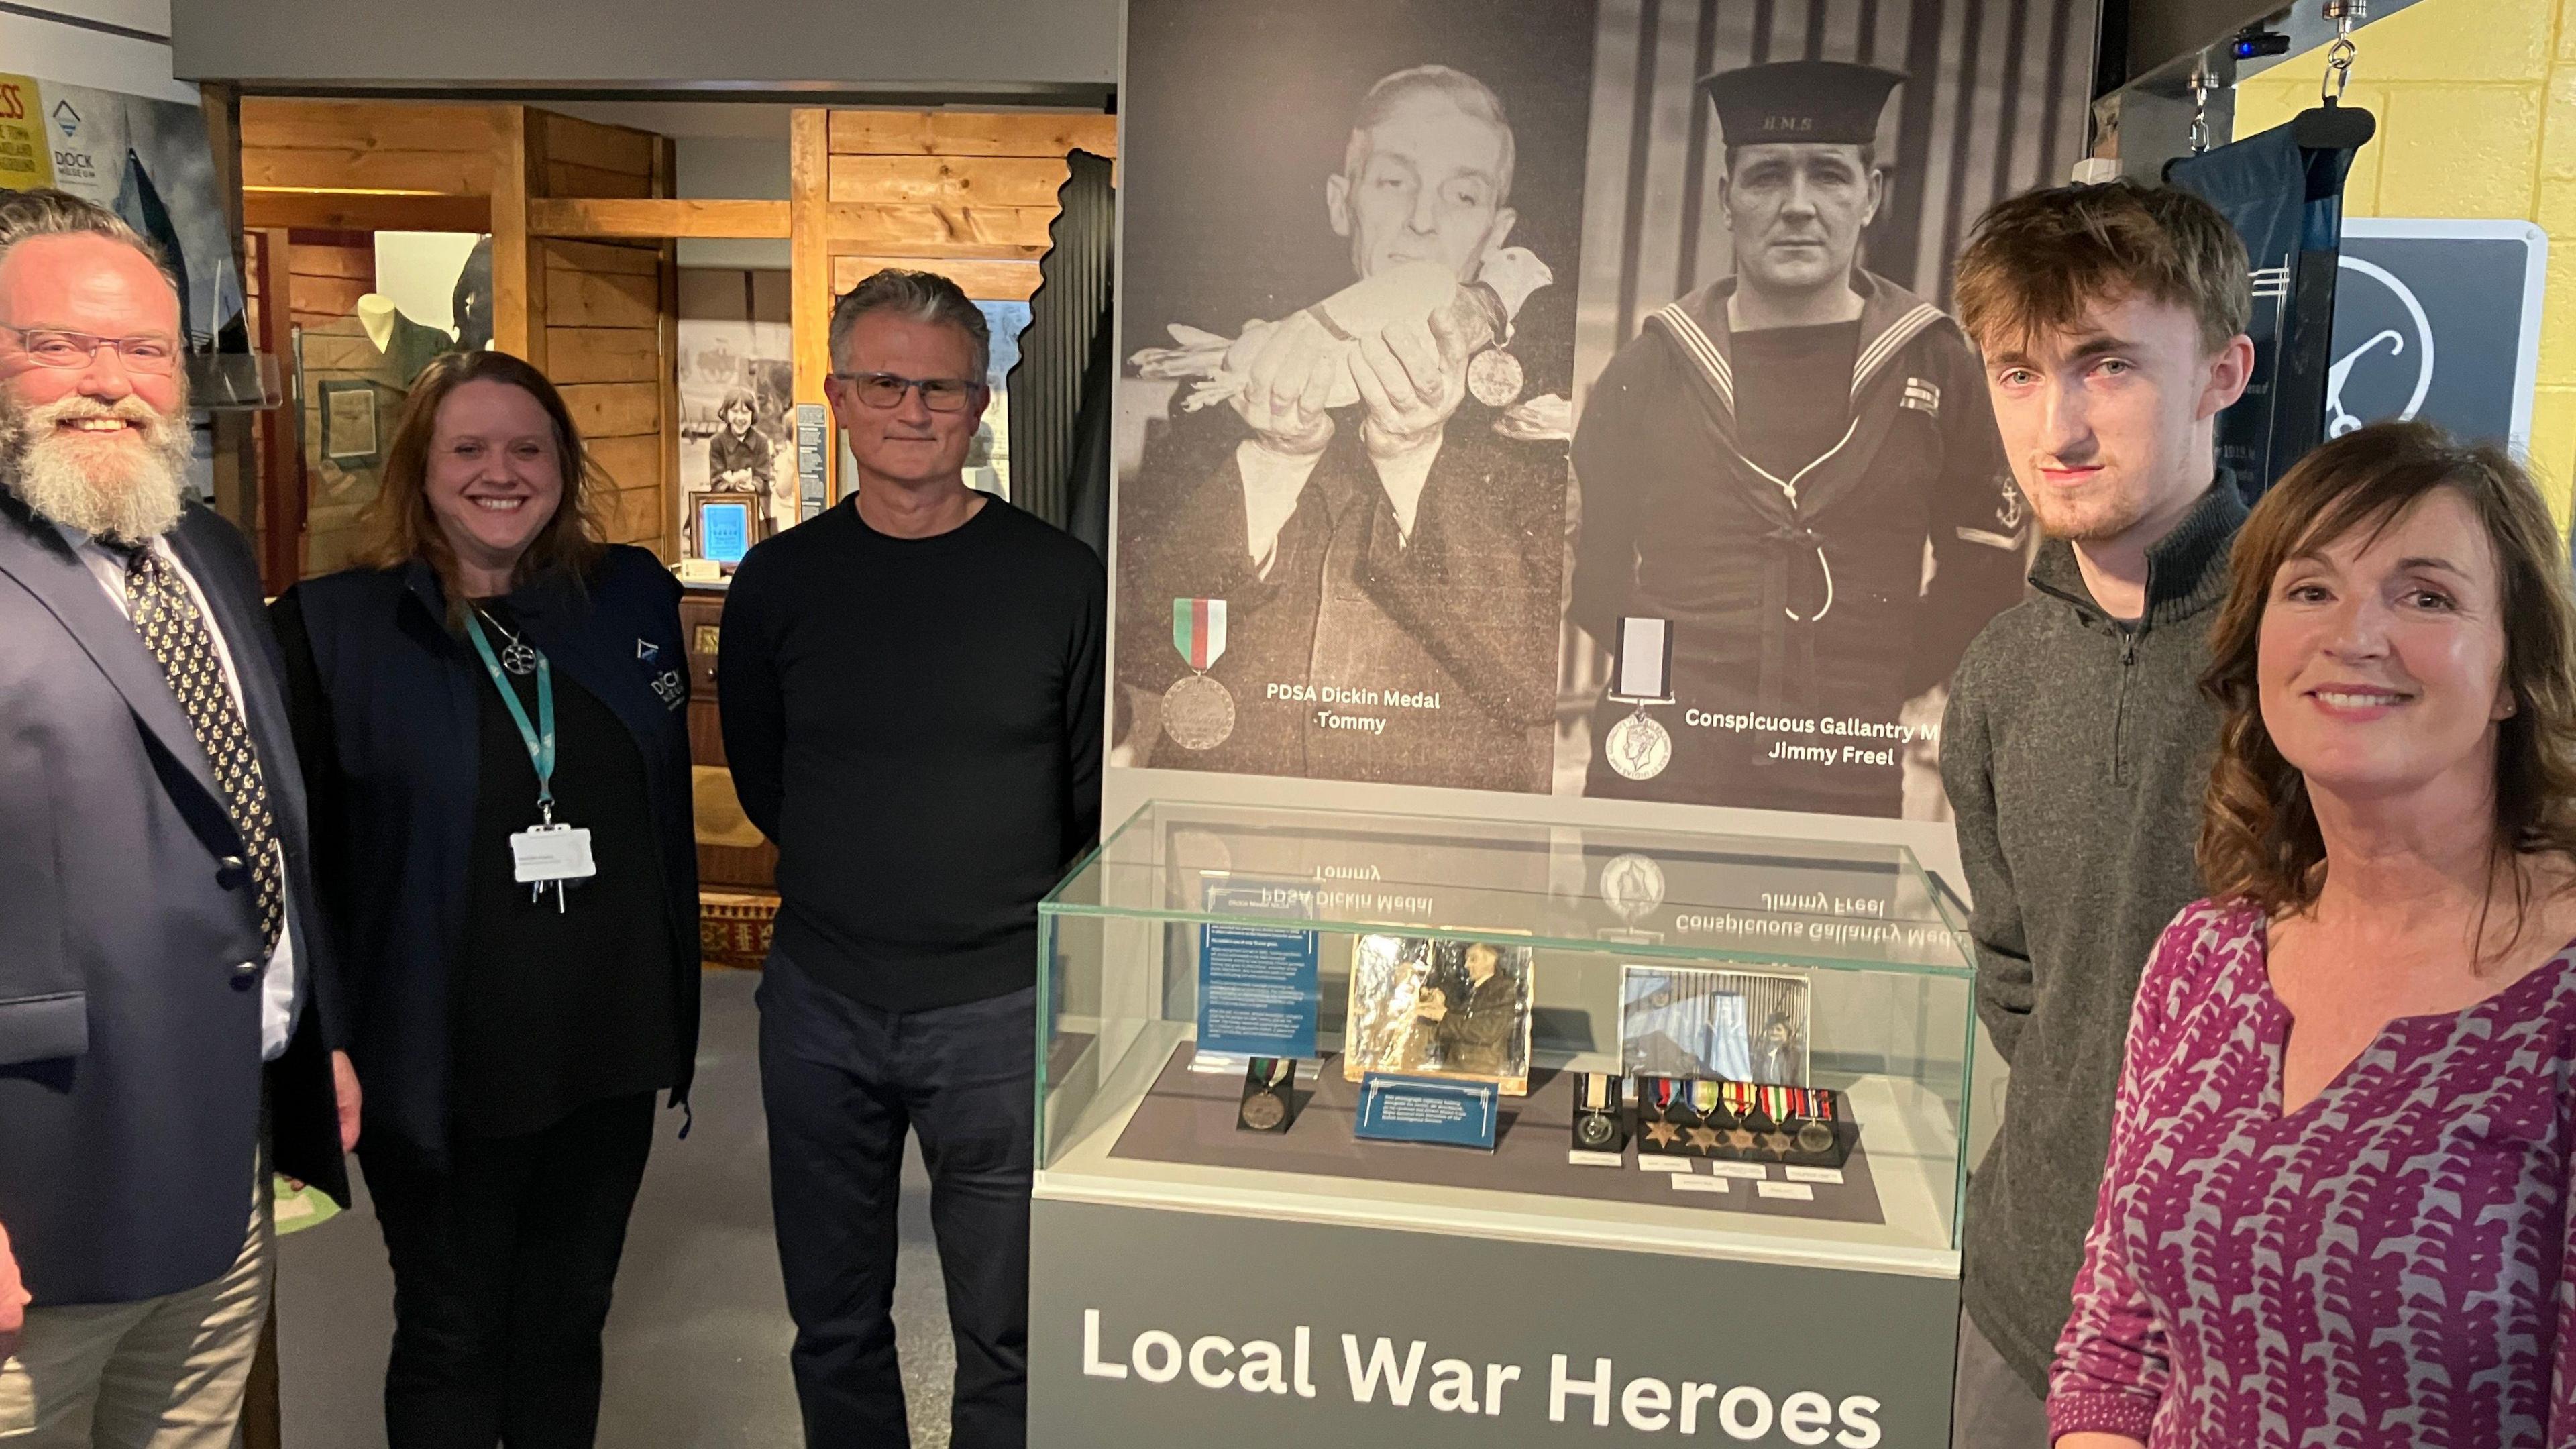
(1066, 317)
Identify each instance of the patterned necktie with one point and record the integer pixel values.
(166, 615)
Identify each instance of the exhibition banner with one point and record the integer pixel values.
(150, 161)
(1470, 346)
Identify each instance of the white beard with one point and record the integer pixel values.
(132, 498)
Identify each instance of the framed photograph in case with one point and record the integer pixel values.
(349, 433)
(725, 523)
(1691, 1021)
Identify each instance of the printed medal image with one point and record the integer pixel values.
(1638, 747)
(1198, 713)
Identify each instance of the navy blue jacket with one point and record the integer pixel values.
(386, 715)
(130, 945)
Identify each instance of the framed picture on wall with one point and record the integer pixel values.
(349, 421)
(726, 523)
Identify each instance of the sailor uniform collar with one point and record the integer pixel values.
(1890, 318)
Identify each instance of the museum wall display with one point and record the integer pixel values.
(1589, 264)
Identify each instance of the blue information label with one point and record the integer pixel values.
(1429, 1109)
(728, 532)
(1257, 988)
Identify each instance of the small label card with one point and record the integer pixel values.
(1397, 1108)
(1701, 1184)
(1795, 1191)
(1581, 1158)
(550, 853)
(1662, 1162)
(1754, 1171)
(1829, 1175)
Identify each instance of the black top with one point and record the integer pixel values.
(916, 723)
(1793, 393)
(557, 1009)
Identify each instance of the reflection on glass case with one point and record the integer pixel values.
(1707, 1043)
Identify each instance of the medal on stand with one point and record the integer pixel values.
(1198, 714)
(1597, 1127)
(1269, 1095)
(1639, 747)
(1738, 1104)
(1704, 1137)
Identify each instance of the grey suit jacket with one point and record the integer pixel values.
(130, 959)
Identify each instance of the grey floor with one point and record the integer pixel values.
(697, 1342)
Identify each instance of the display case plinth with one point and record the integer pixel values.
(1191, 1279)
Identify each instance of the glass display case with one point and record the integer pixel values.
(1771, 985)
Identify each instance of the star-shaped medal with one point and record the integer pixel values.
(1703, 1140)
(1662, 1134)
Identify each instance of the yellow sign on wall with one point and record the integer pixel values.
(25, 160)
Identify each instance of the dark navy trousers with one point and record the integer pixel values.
(842, 1083)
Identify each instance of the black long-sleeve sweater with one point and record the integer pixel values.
(916, 723)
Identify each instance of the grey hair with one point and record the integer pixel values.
(917, 297)
(1468, 94)
(44, 211)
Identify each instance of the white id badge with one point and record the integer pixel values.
(545, 853)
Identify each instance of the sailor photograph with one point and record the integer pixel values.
(1342, 537)
(1794, 508)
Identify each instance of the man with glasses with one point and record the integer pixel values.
(167, 1007)
(911, 700)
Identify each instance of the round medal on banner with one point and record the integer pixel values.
(1198, 713)
(1495, 378)
(1262, 1111)
(1638, 747)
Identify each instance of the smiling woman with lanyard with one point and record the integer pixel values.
(489, 712)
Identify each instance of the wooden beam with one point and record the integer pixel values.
(998, 233)
(971, 133)
(281, 467)
(272, 122)
(989, 281)
(957, 181)
(519, 313)
(659, 218)
(356, 169)
(666, 179)
(810, 277)
(327, 211)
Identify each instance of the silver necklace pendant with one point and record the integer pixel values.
(519, 659)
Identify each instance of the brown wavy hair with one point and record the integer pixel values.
(399, 524)
(2258, 837)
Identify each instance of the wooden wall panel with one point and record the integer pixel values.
(634, 515)
(616, 409)
(327, 274)
(986, 180)
(967, 133)
(583, 256)
(601, 299)
(629, 462)
(920, 228)
(563, 178)
(598, 146)
(602, 354)
(989, 281)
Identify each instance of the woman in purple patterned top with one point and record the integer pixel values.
(2336, 1210)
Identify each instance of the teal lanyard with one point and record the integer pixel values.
(539, 738)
